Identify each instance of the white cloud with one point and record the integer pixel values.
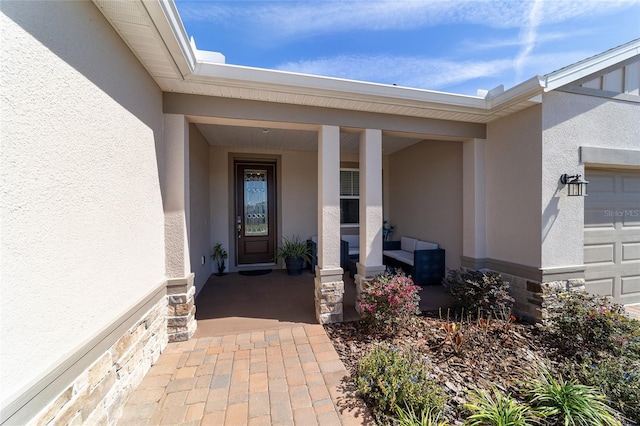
(544, 37)
(404, 71)
(285, 19)
(529, 37)
(432, 74)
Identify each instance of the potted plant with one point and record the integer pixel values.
(219, 254)
(294, 252)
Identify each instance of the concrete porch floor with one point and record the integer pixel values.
(258, 357)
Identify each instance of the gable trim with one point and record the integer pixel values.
(595, 64)
(578, 90)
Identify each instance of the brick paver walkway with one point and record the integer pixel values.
(290, 376)
(634, 310)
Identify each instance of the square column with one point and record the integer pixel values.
(176, 195)
(370, 262)
(181, 320)
(329, 286)
(474, 237)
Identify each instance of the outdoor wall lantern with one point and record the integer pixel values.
(576, 186)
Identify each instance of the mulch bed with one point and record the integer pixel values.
(501, 353)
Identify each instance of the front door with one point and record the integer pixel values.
(255, 212)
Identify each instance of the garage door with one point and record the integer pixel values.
(612, 234)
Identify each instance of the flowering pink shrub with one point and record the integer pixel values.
(389, 300)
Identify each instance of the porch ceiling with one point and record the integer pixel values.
(292, 139)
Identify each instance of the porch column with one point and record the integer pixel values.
(370, 262)
(329, 287)
(181, 321)
(474, 238)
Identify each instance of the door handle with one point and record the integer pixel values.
(239, 226)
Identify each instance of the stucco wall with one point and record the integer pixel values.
(199, 211)
(297, 194)
(570, 121)
(425, 195)
(513, 175)
(82, 216)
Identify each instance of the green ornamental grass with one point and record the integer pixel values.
(495, 409)
(570, 403)
(427, 417)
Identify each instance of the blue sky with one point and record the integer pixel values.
(450, 46)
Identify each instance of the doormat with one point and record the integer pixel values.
(255, 272)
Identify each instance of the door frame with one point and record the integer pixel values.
(238, 157)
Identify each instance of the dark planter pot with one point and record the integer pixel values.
(220, 269)
(294, 265)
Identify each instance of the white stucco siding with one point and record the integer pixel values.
(570, 121)
(299, 194)
(513, 174)
(81, 207)
(200, 214)
(425, 195)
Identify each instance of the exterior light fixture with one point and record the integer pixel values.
(576, 186)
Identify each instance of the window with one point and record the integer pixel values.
(349, 196)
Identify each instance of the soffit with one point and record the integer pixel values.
(282, 139)
(132, 22)
(154, 33)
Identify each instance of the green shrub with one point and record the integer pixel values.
(475, 290)
(594, 324)
(389, 300)
(570, 402)
(495, 409)
(389, 377)
(427, 417)
(617, 377)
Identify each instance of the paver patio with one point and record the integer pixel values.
(288, 376)
(258, 357)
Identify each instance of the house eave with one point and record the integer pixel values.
(176, 67)
(590, 66)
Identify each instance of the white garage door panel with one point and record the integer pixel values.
(630, 252)
(631, 184)
(602, 185)
(612, 234)
(603, 287)
(630, 286)
(599, 253)
(599, 218)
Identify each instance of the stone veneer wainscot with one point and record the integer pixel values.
(99, 393)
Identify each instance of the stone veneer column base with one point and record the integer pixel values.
(533, 298)
(99, 393)
(364, 275)
(181, 309)
(329, 294)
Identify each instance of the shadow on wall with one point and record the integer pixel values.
(550, 213)
(79, 48)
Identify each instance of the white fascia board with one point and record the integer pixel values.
(259, 78)
(167, 20)
(589, 66)
(525, 91)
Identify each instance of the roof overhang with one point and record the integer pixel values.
(154, 32)
(589, 66)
